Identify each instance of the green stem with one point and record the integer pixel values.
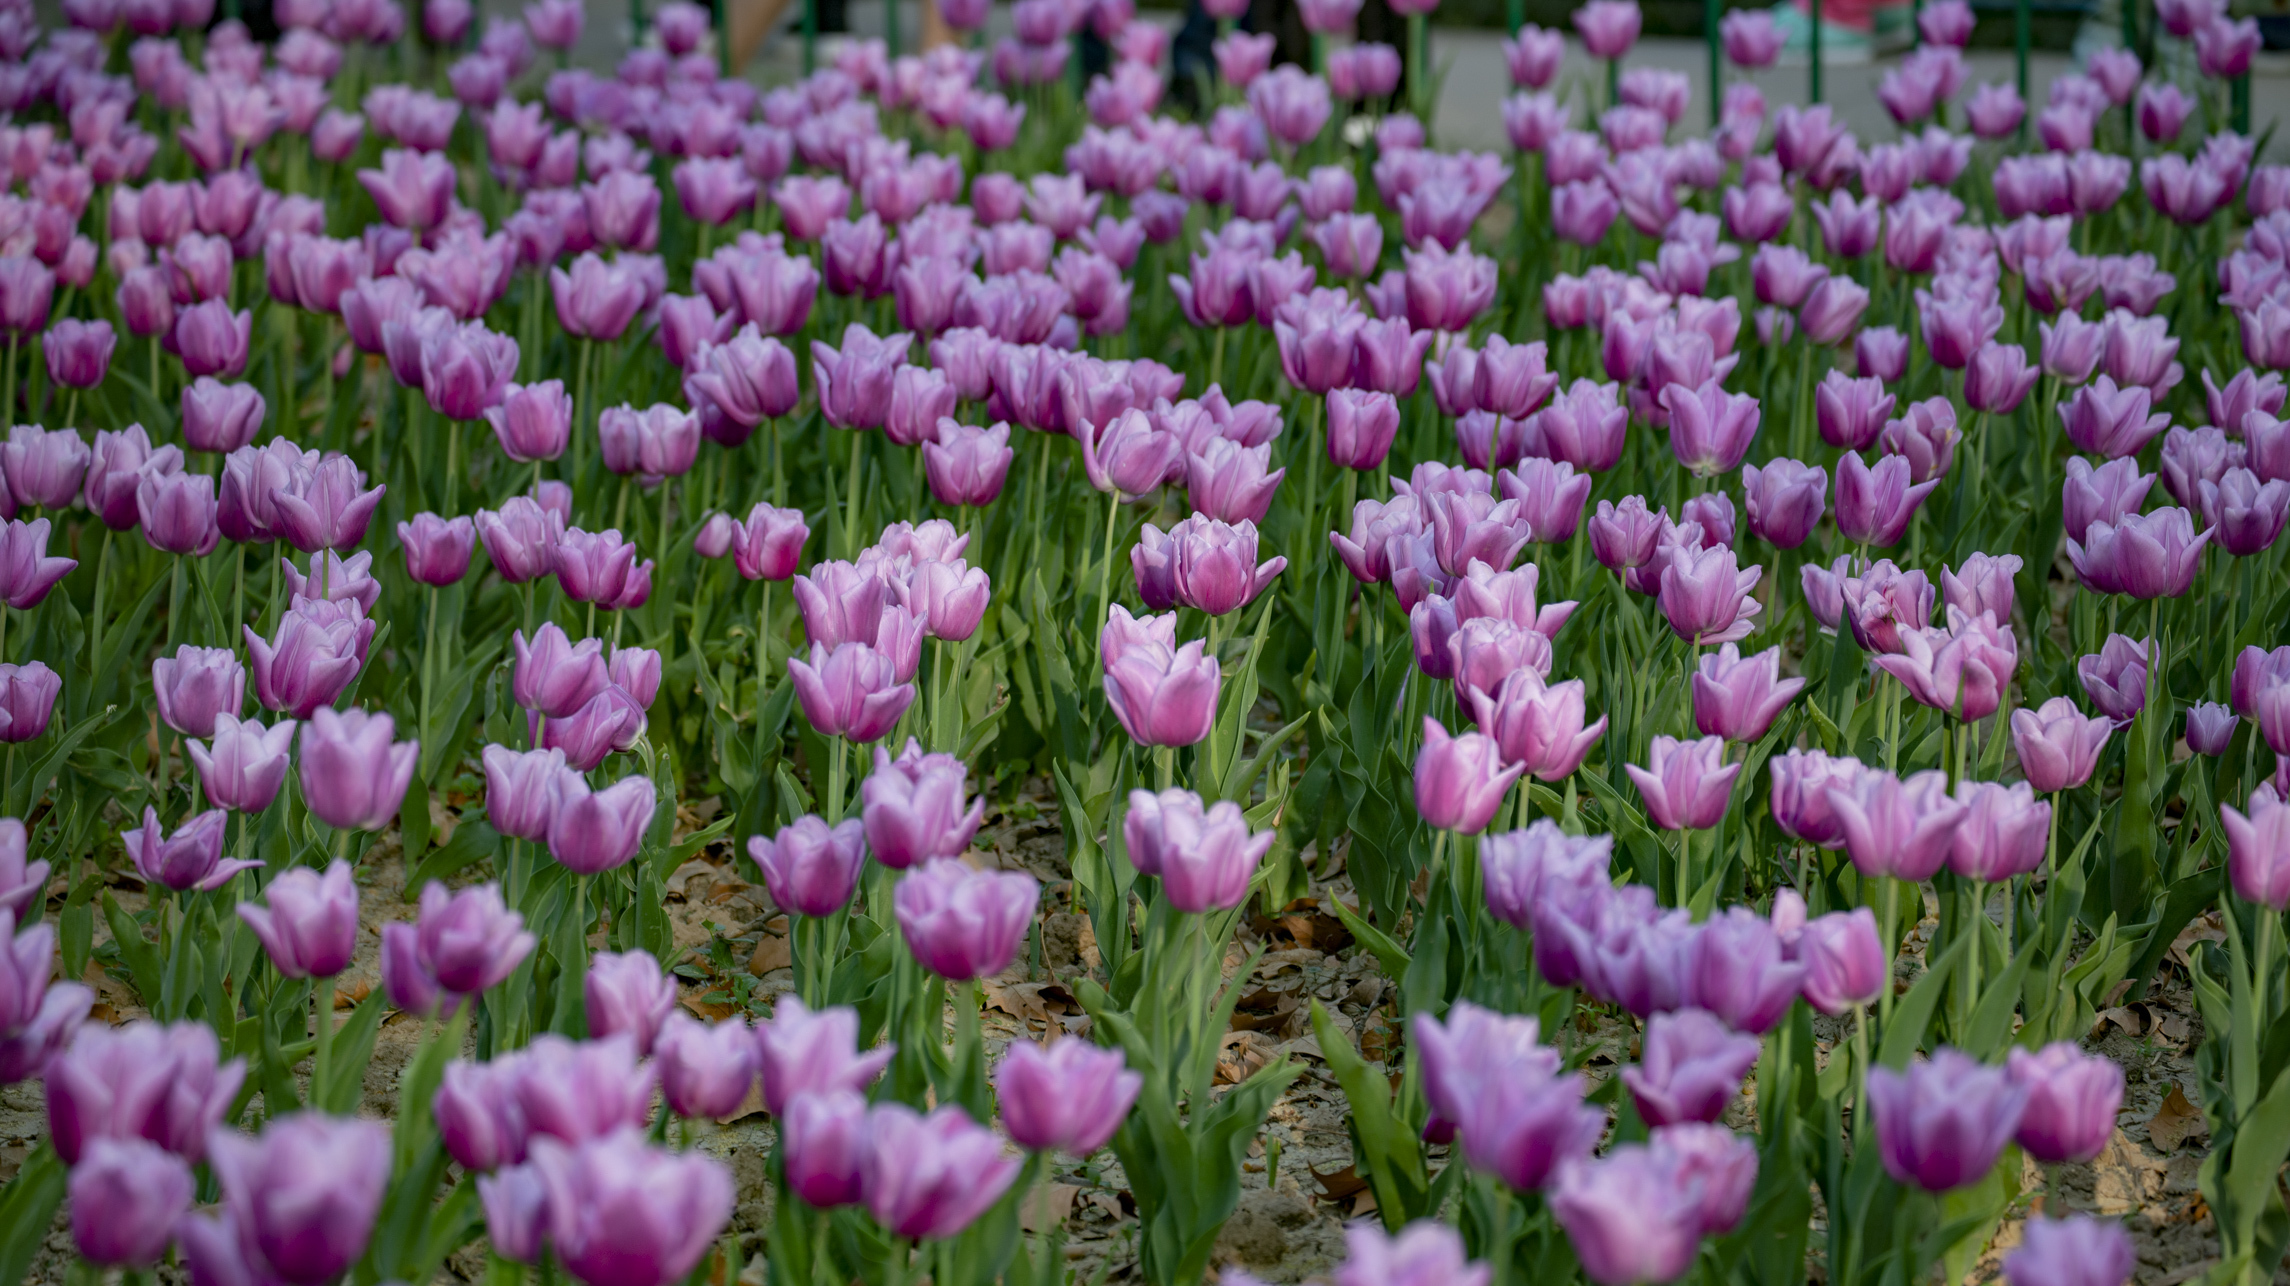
(1885, 926)
(1105, 564)
(837, 774)
(322, 1034)
(851, 496)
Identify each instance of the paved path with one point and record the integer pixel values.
(1473, 83)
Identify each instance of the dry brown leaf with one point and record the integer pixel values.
(2176, 1121)
(348, 997)
(1242, 1053)
(771, 952)
(1337, 1185)
(1048, 1206)
(2205, 928)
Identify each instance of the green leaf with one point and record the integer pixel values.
(140, 957)
(353, 1050)
(21, 795)
(27, 1210)
(472, 842)
(1394, 1155)
(1389, 952)
(1912, 1015)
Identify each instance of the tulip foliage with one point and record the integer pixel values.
(1632, 583)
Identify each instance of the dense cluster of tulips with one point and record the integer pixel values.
(1049, 466)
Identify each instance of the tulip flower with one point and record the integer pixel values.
(1902, 829)
(2072, 1098)
(1874, 506)
(595, 831)
(963, 923)
(811, 868)
(2076, 1251)
(1687, 784)
(1942, 1123)
(478, 1116)
(1691, 1068)
(353, 774)
(1705, 596)
(126, 1197)
(2003, 833)
(625, 1211)
(1845, 962)
(310, 928)
(2115, 677)
(335, 1169)
(1800, 801)
(1069, 1098)
(2258, 849)
(1460, 781)
(625, 993)
(1537, 725)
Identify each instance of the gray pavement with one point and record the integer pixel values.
(1473, 83)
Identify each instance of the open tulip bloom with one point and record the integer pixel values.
(691, 589)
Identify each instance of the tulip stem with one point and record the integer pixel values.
(1861, 1066)
(429, 665)
(2262, 961)
(95, 620)
(322, 1035)
(453, 467)
(1891, 945)
(1105, 564)
(851, 496)
(836, 770)
(174, 604)
(778, 477)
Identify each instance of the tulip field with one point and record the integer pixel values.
(1017, 647)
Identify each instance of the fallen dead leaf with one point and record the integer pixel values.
(2176, 1121)
(1339, 1185)
(771, 952)
(2124, 1177)
(348, 997)
(1047, 1206)
(1242, 1053)
(2205, 928)
(708, 1011)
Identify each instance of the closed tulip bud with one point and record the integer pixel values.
(1705, 595)
(176, 510)
(533, 421)
(1904, 829)
(1998, 378)
(801, 1052)
(437, 549)
(1163, 695)
(353, 774)
(246, 763)
(2057, 746)
(1068, 1099)
(810, 868)
(126, 1196)
(478, 1115)
(1800, 802)
(310, 928)
(2003, 833)
(1845, 961)
(2072, 1098)
(2210, 728)
(625, 994)
(1537, 725)
(213, 340)
(42, 467)
(2258, 849)
(195, 685)
(595, 831)
(1785, 500)
(963, 923)
(78, 353)
(1690, 1069)
(555, 676)
(1460, 781)
(625, 1211)
(705, 1068)
(769, 545)
(1710, 429)
(1361, 426)
(27, 701)
(1832, 309)
(1424, 1252)
(2076, 1251)
(930, 1176)
(855, 382)
(1850, 412)
(966, 465)
(1942, 1123)
(2248, 514)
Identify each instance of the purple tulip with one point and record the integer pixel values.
(625, 1212)
(2004, 831)
(533, 421)
(625, 994)
(2076, 1251)
(1800, 801)
(176, 510)
(966, 465)
(1874, 506)
(855, 383)
(1903, 829)
(2072, 1098)
(437, 549)
(1942, 1123)
(597, 831)
(1785, 500)
(1845, 962)
(823, 1136)
(706, 1069)
(1691, 1068)
(301, 1197)
(1687, 785)
(353, 774)
(2058, 747)
(1068, 1099)
(2110, 421)
(478, 1115)
(1738, 698)
(213, 340)
(319, 649)
(1460, 781)
(963, 923)
(126, 1196)
(851, 692)
(1537, 725)
(310, 928)
(465, 369)
(1705, 595)
(913, 808)
(769, 545)
(810, 868)
(44, 467)
(1425, 1253)
(801, 1052)
(929, 1177)
(2258, 849)
(1205, 859)
(38, 1018)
